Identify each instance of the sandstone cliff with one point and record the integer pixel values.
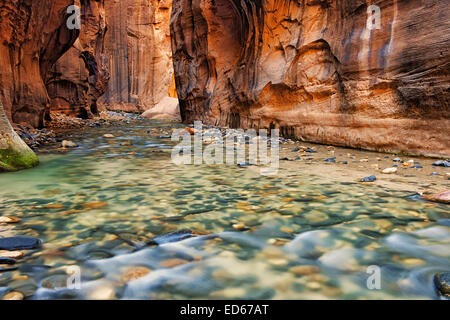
(33, 36)
(80, 76)
(320, 70)
(138, 50)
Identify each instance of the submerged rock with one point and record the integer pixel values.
(19, 243)
(68, 144)
(442, 282)
(443, 197)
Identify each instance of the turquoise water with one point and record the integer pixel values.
(140, 227)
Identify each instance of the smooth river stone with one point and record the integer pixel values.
(19, 243)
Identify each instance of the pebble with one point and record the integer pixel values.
(389, 170)
(442, 282)
(69, 144)
(10, 220)
(133, 273)
(19, 243)
(287, 230)
(397, 160)
(94, 205)
(369, 179)
(304, 270)
(14, 295)
(11, 254)
(239, 226)
(172, 263)
(108, 136)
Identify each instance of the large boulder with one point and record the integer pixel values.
(14, 153)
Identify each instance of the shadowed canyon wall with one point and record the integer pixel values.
(314, 69)
(33, 36)
(138, 50)
(81, 76)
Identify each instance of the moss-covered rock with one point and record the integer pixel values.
(14, 153)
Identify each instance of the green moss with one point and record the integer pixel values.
(11, 160)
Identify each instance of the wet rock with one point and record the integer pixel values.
(330, 159)
(57, 281)
(11, 254)
(442, 282)
(14, 295)
(441, 163)
(94, 205)
(304, 270)
(9, 261)
(133, 273)
(390, 170)
(443, 197)
(172, 237)
(368, 179)
(104, 292)
(10, 220)
(397, 160)
(239, 226)
(19, 243)
(172, 263)
(68, 144)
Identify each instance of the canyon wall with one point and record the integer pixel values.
(138, 50)
(33, 36)
(47, 65)
(319, 70)
(81, 76)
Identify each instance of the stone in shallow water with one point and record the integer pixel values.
(390, 170)
(442, 282)
(14, 295)
(443, 197)
(133, 273)
(9, 219)
(369, 179)
(304, 270)
(172, 263)
(441, 163)
(19, 243)
(172, 237)
(68, 144)
(11, 254)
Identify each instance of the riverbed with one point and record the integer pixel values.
(136, 226)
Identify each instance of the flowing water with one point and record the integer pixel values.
(140, 227)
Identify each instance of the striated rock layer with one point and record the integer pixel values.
(320, 70)
(80, 76)
(138, 50)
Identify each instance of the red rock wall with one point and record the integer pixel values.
(313, 69)
(138, 50)
(81, 76)
(33, 35)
